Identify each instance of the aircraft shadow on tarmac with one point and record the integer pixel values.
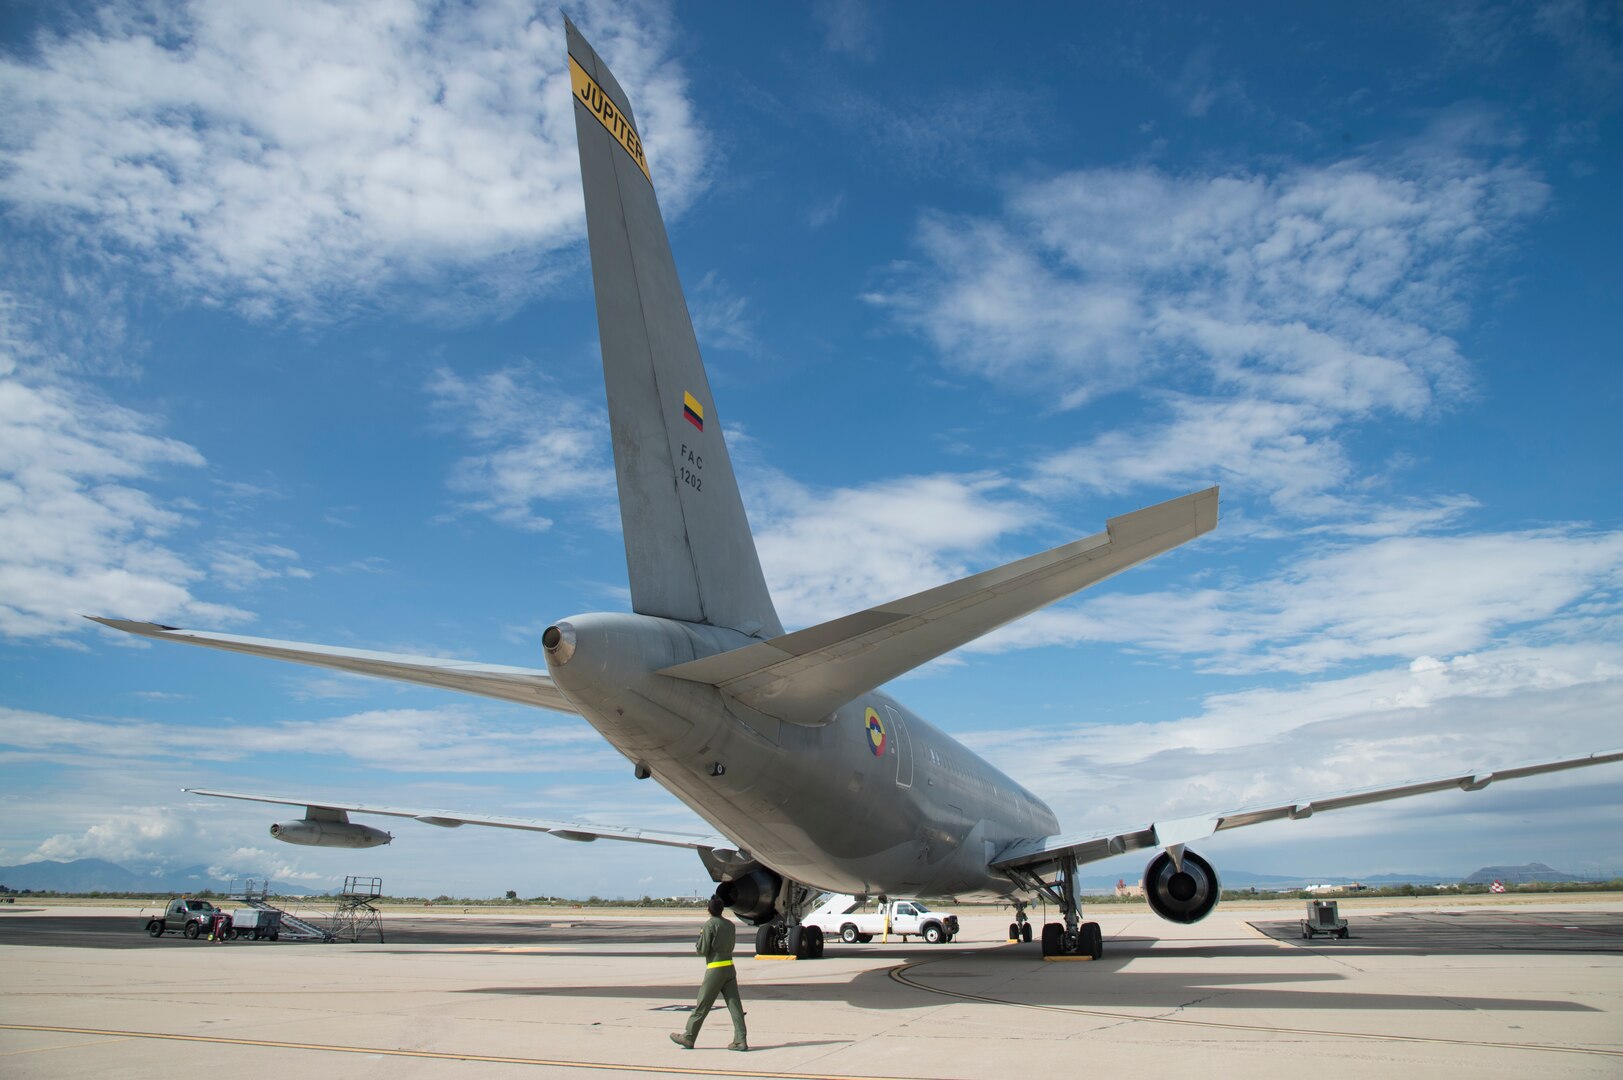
(1102, 984)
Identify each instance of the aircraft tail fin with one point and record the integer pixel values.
(689, 551)
(804, 676)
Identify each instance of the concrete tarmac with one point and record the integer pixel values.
(1483, 991)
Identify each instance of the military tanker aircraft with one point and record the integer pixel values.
(814, 778)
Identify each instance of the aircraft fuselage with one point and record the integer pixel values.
(876, 800)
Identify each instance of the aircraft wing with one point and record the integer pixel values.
(447, 819)
(523, 685)
(804, 676)
(1036, 855)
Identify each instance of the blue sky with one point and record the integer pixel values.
(297, 340)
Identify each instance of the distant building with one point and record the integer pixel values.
(1124, 889)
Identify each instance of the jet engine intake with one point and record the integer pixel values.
(753, 896)
(345, 834)
(1184, 894)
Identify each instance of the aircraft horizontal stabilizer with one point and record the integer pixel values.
(1042, 854)
(804, 676)
(522, 685)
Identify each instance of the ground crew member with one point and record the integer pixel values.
(720, 977)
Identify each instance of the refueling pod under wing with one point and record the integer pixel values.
(325, 832)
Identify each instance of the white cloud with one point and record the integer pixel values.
(77, 533)
(305, 155)
(257, 863)
(946, 132)
(144, 835)
(1261, 315)
(456, 739)
(537, 444)
(825, 211)
(1391, 517)
(243, 564)
(1398, 596)
(1249, 445)
(849, 28)
(720, 316)
(1500, 707)
(828, 553)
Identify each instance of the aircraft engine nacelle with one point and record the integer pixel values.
(344, 834)
(1185, 895)
(753, 896)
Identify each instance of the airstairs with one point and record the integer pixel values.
(256, 894)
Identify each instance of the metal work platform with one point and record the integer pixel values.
(357, 914)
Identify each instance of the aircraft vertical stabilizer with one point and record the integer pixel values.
(688, 545)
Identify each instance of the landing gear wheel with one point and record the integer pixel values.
(848, 934)
(933, 935)
(797, 943)
(813, 941)
(155, 927)
(1025, 932)
(1014, 931)
(1052, 934)
(192, 930)
(1093, 940)
(766, 940)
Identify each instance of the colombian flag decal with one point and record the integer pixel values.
(693, 411)
(876, 732)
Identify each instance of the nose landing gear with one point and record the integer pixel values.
(1020, 929)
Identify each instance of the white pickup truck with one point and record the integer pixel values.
(852, 920)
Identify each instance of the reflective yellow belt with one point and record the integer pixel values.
(720, 963)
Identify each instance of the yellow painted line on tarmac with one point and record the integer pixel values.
(438, 1055)
(774, 956)
(49, 1048)
(898, 973)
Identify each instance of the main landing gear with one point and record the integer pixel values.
(1071, 938)
(781, 939)
(784, 935)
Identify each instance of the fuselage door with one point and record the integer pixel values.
(904, 748)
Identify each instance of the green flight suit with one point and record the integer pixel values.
(716, 941)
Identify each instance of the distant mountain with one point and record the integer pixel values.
(99, 875)
(1521, 875)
